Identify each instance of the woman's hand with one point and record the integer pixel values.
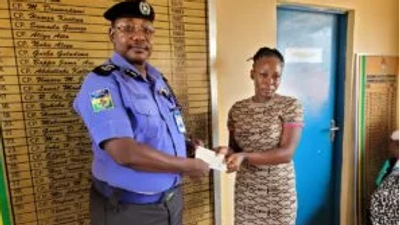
(235, 161)
(223, 151)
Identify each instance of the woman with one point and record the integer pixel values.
(264, 131)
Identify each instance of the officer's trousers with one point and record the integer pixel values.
(102, 212)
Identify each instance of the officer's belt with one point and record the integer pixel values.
(124, 196)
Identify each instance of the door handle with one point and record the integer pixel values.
(333, 129)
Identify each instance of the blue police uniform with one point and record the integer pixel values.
(115, 101)
(121, 103)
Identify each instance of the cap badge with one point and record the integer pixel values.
(144, 8)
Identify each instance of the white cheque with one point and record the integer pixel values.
(209, 156)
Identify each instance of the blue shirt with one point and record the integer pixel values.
(123, 104)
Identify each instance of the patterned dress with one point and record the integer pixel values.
(385, 201)
(264, 195)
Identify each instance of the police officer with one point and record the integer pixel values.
(136, 127)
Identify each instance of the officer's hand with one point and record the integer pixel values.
(192, 144)
(197, 169)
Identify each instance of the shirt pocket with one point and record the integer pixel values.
(146, 118)
(168, 103)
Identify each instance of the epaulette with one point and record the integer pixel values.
(105, 70)
(132, 73)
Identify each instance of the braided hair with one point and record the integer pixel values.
(268, 52)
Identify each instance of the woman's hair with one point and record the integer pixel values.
(268, 52)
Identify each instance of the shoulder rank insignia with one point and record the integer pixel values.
(105, 70)
(164, 78)
(132, 73)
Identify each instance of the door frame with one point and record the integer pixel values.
(340, 89)
(212, 70)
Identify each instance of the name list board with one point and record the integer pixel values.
(46, 49)
(379, 77)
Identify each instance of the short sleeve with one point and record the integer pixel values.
(293, 113)
(100, 106)
(231, 121)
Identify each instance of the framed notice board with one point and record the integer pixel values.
(376, 118)
(46, 49)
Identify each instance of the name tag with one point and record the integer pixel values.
(179, 121)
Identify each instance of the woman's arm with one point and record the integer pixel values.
(283, 154)
(233, 145)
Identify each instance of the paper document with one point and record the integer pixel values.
(215, 162)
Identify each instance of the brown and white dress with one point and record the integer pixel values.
(264, 195)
